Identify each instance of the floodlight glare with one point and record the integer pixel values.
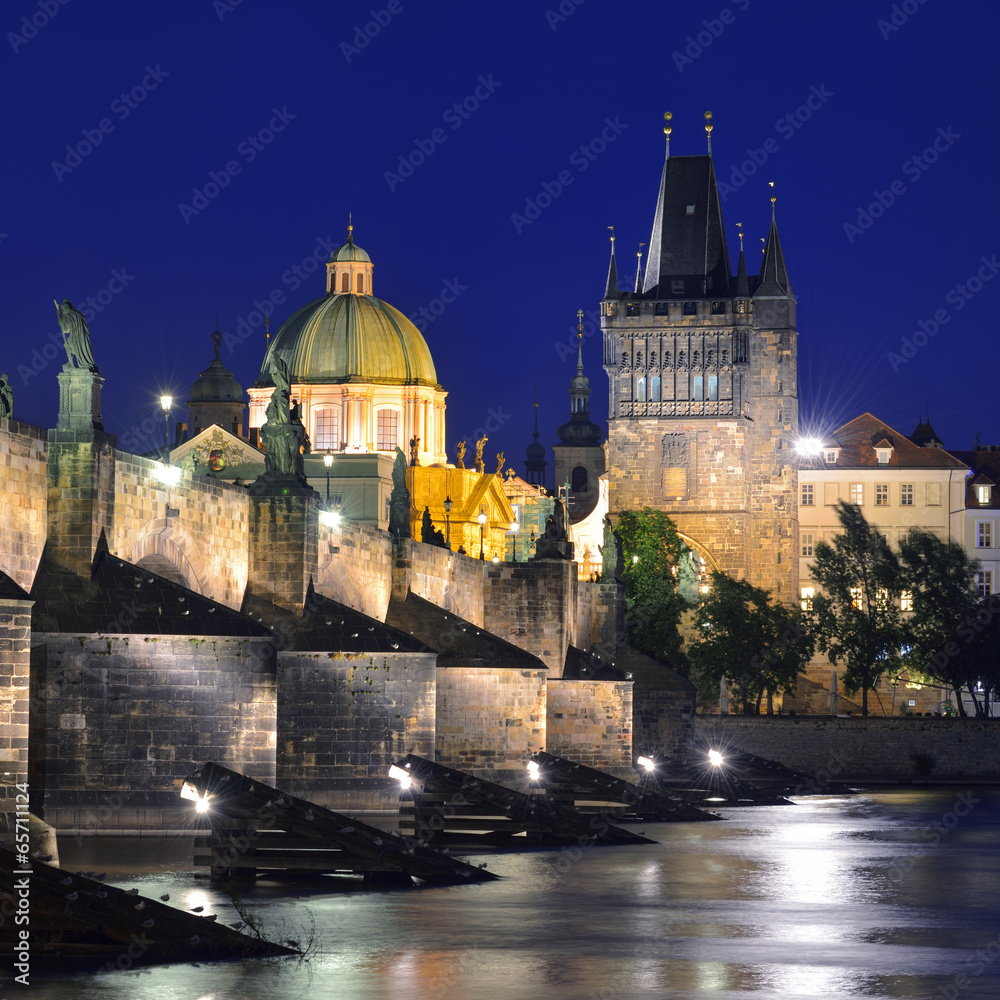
(533, 770)
(715, 758)
(401, 775)
(649, 765)
(808, 446)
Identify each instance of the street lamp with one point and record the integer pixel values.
(482, 525)
(328, 462)
(448, 504)
(514, 553)
(166, 402)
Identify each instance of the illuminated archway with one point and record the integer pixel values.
(163, 549)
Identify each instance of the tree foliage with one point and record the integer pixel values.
(953, 633)
(757, 646)
(651, 549)
(856, 620)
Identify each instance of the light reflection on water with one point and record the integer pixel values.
(832, 897)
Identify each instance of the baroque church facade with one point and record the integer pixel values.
(702, 384)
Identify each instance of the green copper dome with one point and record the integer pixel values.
(351, 338)
(349, 251)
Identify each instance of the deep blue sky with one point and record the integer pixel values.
(220, 69)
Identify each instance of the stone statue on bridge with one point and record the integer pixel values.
(399, 501)
(282, 441)
(76, 337)
(6, 397)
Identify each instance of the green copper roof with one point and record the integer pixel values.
(349, 251)
(347, 337)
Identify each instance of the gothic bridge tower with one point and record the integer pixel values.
(702, 381)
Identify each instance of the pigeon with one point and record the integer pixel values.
(213, 916)
(131, 892)
(139, 906)
(147, 923)
(197, 909)
(165, 896)
(101, 894)
(66, 881)
(101, 877)
(73, 895)
(193, 940)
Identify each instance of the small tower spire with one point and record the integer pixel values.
(350, 228)
(742, 285)
(708, 130)
(535, 464)
(579, 342)
(638, 270)
(267, 325)
(667, 129)
(611, 292)
(773, 273)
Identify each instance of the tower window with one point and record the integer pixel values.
(388, 430)
(632, 309)
(578, 484)
(690, 308)
(698, 391)
(345, 283)
(654, 388)
(360, 284)
(640, 390)
(713, 386)
(690, 210)
(718, 308)
(325, 437)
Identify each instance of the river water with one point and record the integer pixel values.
(879, 894)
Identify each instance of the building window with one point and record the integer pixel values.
(808, 593)
(632, 309)
(881, 494)
(883, 455)
(325, 436)
(345, 283)
(857, 493)
(807, 544)
(640, 390)
(690, 308)
(906, 600)
(713, 386)
(830, 456)
(984, 583)
(984, 535)
(882, 599)
(856, 598)
(699, 387)
(579, 481)
(906, 495)
(983, 494)
(654, 388)
(360, 284)
(808, 495)
(388, 430)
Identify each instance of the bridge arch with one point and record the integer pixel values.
(165, 549)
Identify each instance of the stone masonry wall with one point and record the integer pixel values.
(343, 718)
(532, 605)
(284, 544)
(23, 504)
(489, 717)
(590, 722)
(15, 666)
(355, 566)
(872, 749)
(451, 581)
(116, 721)
(200, 525)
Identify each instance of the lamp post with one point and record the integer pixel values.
(166, 402)
(514, 547)
(448, 504)
(328, 462)
(482, 525)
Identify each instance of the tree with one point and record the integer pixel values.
(755, 645)
(953, 631)
(856, 620)
(651, 549)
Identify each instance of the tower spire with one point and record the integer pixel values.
(773, 273)
(638, 270)
(742, 285)
(667, 129)
(611, 292)
(708, 130)
(579, 342)
(350, 228)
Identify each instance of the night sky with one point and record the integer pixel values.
(236, 136)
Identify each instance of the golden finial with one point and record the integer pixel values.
(267, 325)
(774, 198)
(612, 228)
(579, 324)
(668, 128)
(350, 227)
(708, 129)
(739, 226)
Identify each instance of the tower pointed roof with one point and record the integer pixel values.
(611, 292)
(688, 255)
(742, 285)
(580, 430)
(773, 274)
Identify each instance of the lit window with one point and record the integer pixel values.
(984, 583)
(325, 436)
(808, 593)
(808, 495)
(654, 388)
(983, 494)
(345, 283)
(881, 494)
(830, 455)
(690, 209)
(882, 599)
(713, 386)
(360, 285)
(699, 387)
(856, 598)
(640, 390)
(857, 493)
(906, 495)
(984, 535)
(906, 600)
(388, 433)
(807, 544)
(883, 455)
